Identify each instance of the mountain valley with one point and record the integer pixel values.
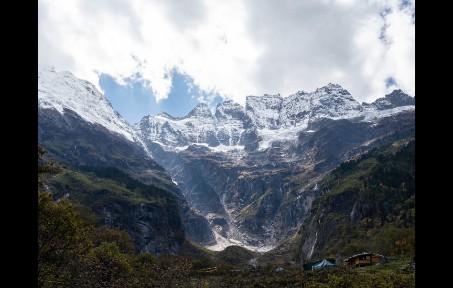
(253, 176)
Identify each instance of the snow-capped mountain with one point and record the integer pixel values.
(252, 174)
(222, 131)
(63, 91)
(197, 127)
(275, 112)
(331, 101)
(238, 166)
(271, 117)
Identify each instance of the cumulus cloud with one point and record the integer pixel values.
(235, 48)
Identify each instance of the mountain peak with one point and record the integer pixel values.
(332, 85)
(201, 110)
(301, 92)
(165, 115)
(228, 103)
(396, 98)
(333, 89)
(399, 98)
(62, 91)
(397, 93)
(229, 110)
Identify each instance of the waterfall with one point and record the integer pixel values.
(312, 249)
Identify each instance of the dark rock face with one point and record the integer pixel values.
(250, 140)
(148, 225)
(71, 140)
(399, 98)
(211, 139)
(189, 171)
(349, 211)
(395, 99)
(148, 213)
(229, 110)
(198, 229)
(334, 139)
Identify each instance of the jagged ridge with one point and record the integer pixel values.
(271, 117)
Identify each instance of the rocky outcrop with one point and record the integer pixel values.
(395, 99)
(153, 228)
(360, 198)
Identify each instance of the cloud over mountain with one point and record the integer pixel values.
(235, 48)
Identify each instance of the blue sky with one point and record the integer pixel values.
(134, 101)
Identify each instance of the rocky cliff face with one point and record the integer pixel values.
(153, 228)
(258, 197)
(149, 214)
(254, 172)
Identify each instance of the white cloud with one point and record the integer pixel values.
(235, 48)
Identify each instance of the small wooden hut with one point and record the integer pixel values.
(364, 259)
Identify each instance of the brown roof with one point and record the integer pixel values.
(361, 254)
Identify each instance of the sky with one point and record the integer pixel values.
(149, 56)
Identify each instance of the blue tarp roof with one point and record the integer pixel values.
(323, 264)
